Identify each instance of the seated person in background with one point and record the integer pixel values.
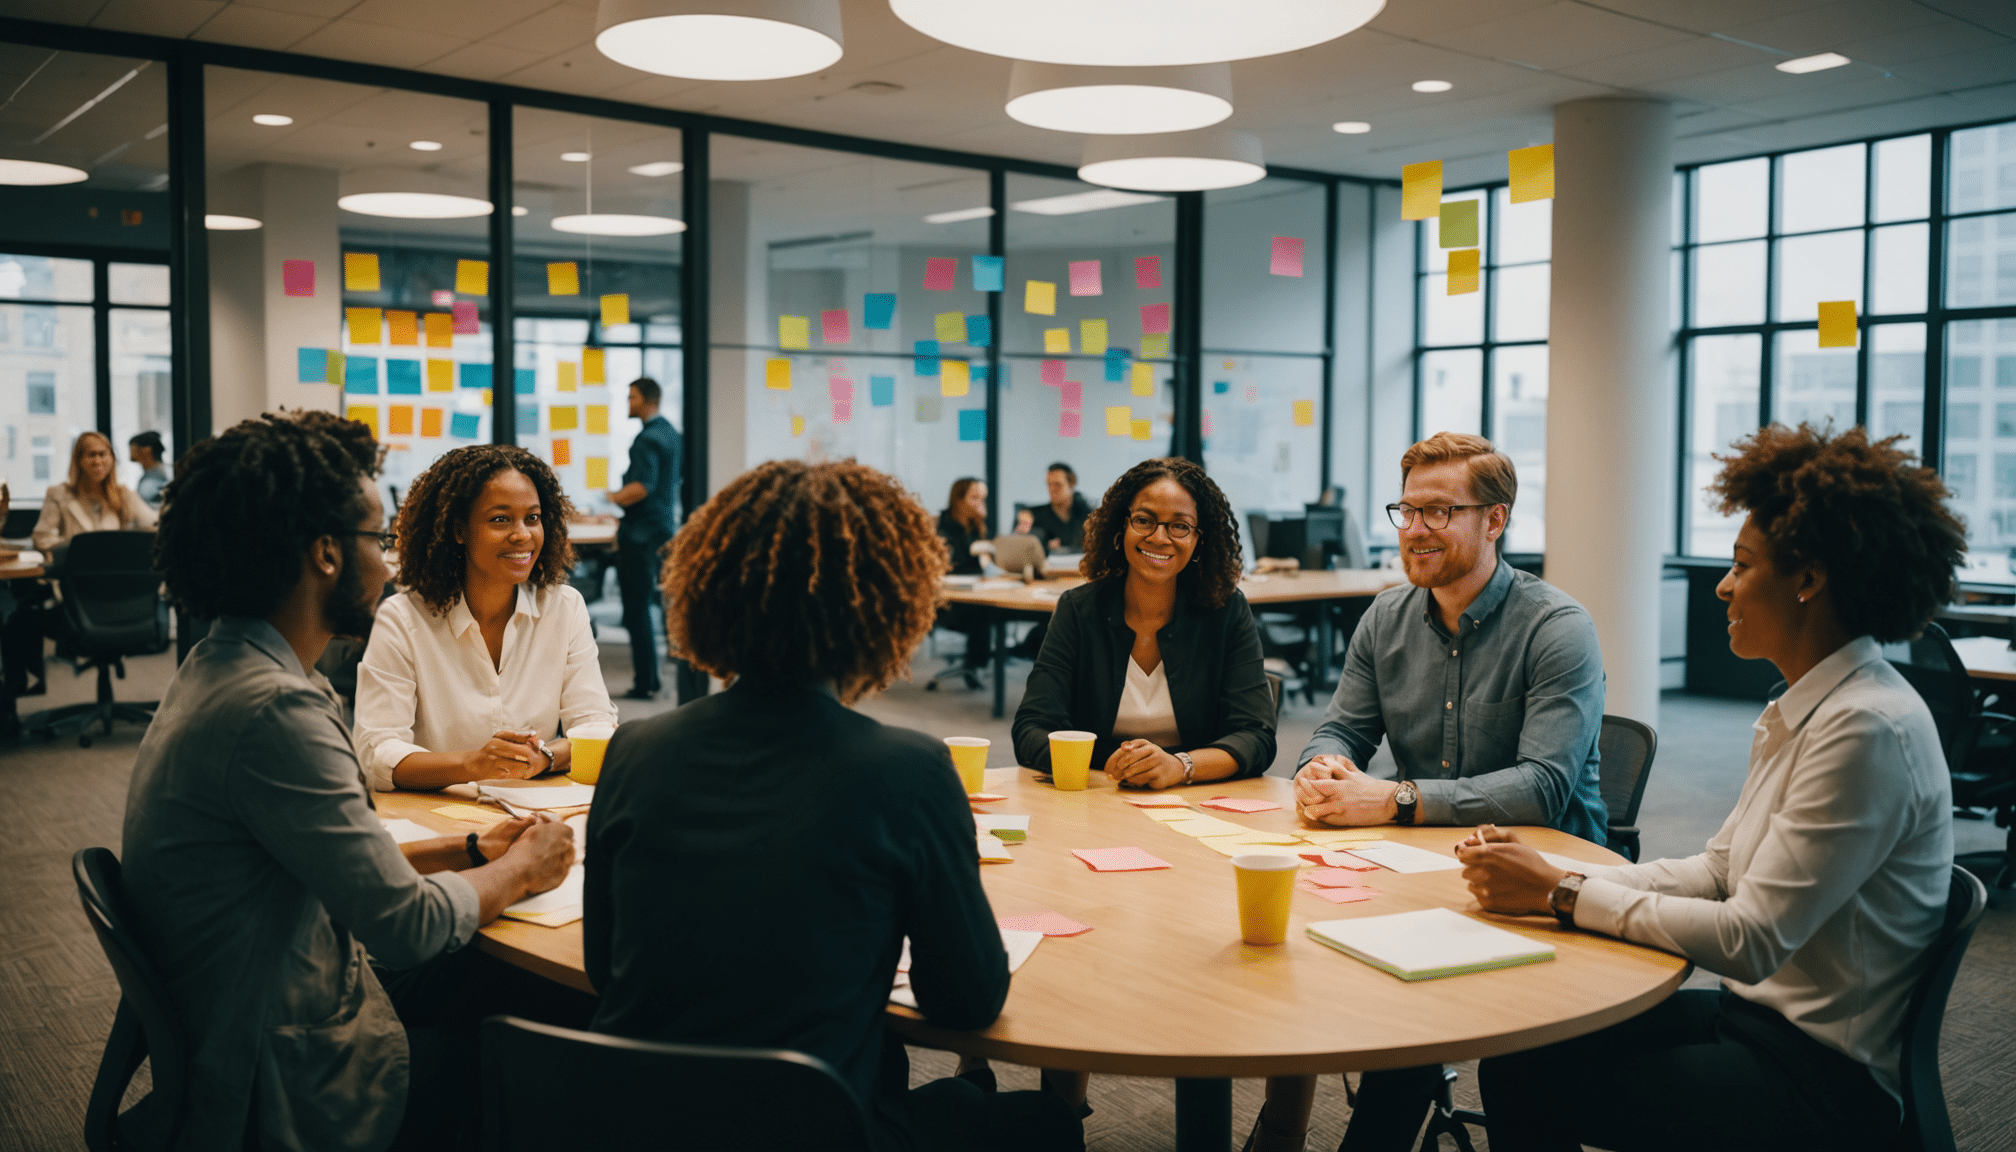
(1025, 522)
(963, 527)
(1487, 684)
(1817, 899)
(147, 451)
(1061, 522)
(488, 653)
(806, 586)
(256, 869)
(1157, 654)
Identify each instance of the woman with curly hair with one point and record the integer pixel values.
(1817, 899)
(488, 653)
(806, 586)
(1157, 654)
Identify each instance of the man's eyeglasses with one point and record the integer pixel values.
(386, 539)
(1143, 524)
(1434, 517)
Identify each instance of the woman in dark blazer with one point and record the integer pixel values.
(962, 525)
(1157, 654)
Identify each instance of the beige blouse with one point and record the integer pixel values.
(65, 514)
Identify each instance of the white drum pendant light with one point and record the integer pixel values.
(1134, 33)
(1119, 101)
(406, 194)
(1175, 162)
(720, 39)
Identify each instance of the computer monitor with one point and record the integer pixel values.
(1017, 554)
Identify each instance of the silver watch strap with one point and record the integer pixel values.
(1189, 767)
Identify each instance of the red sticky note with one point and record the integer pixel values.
(939, 272)
(1119, 859)
(1154, 319)
(1333, 878)
(1287, 259)
(465, 318)
(1071, 396)
(1340, 895)
(1339, 860)
(1069, 423)
(1228, 804)
(1048, 923)
(443, 298)
(1085, 278)
(298, 277)
(1147, 271)
(1053, 372)
(834, 321)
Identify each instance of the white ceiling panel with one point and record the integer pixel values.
(250, 27)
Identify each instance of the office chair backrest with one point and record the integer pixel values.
(111, 593)
(1927, 1127)
(1937, 672)
(1625, 748)
(1277, 686)
(20, 522)
(1256, 526)
(622, 1094)
(146, 1027)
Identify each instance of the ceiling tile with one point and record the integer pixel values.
(1672, 62)
(258, 27)
(1437, 17)
(55, 11)
(1988, 15)
(1559, 35)
(581, 69)
(1925, 42)
(1866, 91)
(1990, 65)
(1705, 16)
(483, 61)
(377, 44)
(555, 29)
(1840, 22)
(327, 9)
(462, 19)
(156, 17)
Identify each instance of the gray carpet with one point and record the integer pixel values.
(57, 994)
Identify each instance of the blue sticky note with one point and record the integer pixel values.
(524, 382)
(1220, 387)
(927, 358)
(979, 331)
(1116, 365)
(881, 391)
(360, 375)
(972, 424)
(528, 417)
(402, 377)
(878, 309)
(313, 365)
(987, 273)
(465, 425)
(475, 376)
(979, 371)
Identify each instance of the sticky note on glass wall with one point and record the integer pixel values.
(364, 324)
(1142, 383)
(881, 391)
(440, 328)
(563, 279)
(1039, 297)
(563, 452)
(297, 277)
(1119, 421)
(597, 473)
(524, 381)
(877, 309)
(399, 420)
(1069, 424)
(1154, 318)
(924, 358)
(777, 374)
(840, 388)
(595, 420)
(466, 323)
(972, 424)
(834, 327)
(794, 332)
(1463, 271)
(1305, 413)
(1458, 228)
(1053, 372)
(563, 418)
(1141, 429)
(402, 377)
(594, 366)
(987, 273)
(472, 277)
(979, 331)
(1085, 280)
(360, 375)
(929, 408)
(939, 273)
(950, 327)
(569, 374)
(1147, 272)
(430, 422)
(1532, 173)
(1116, 365)
(311, 365)
(1285, 259)
(953, 379)
(360, 272)
(1071, 396)
(365, 414)
(1837, 324)
(465, 425)
(843, 411)
(615, 309)
(336, 367)
(402, 327)
(797, 425)
(440, 375)
(1092, 337)
(1421, 190)
(1056, 341)
(1155, 346)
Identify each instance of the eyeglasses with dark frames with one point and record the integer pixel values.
(1143, 524)
(387, 539)
(1434, 517)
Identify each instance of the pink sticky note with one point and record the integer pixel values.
(940, 272)
(1207, 421)
(834, 320)
(1119, 859)
(1339, 860)
(1053, 372)
(1071, 396)
(1085, 278)
(465, 318)
(1154, 319)
(443, 298)
(1333, 878)
(843, 411)
(1228, 804)
(1252, 393)
(1157, 800)
(1340, 895)
(841, 389)
(1048, 923)
(1287, 259)
(1147, 271)
(1068, 424)
(298, 277)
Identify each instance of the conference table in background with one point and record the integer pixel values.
(1010, 598)
(1987, 657)
(1163, 987)
(15, 565)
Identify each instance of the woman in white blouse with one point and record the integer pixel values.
(1817, 899)
(488, 654)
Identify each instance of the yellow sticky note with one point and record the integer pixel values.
(1119, 421)
(430, 422)
(597, 421)
(1168, 815)
(777, 375)
(563, 452)
(440, 330)
(472, 277)
(950, 327)
(1039, 297)
(336, 367)
(469, 813)
(1837, 324)
(360, 272)
(1463, 268)
(1457, 227)
(440, 375)
(1056, 341)
(797, 425)
(399, 420)
(405, 327)
(594, 368)
(616, 309)
(1330, 839)
(1305, 413)
(364, 324)
(1143, 429)
(597, 468)
(562, 418)
(1421, 190)
(570, 375)
(1141, 380)
(563, 279)
(1532, 173)
(1204, 826)
(487, 402)
(1092, 337)
(366, 414)
(1155, 346)
(953, 378)
(793, 332)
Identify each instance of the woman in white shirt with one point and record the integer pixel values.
(1817, 899)
(472, 671)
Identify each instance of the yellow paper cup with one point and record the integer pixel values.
(1266, 882)
(1071, 760)
(590, 741)
(969, 756)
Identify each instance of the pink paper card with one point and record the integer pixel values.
(1340, 895)
(1339, 860)
(1085, 278)
(1068, 424)
(1287, 259)
(1154, 319)
(834, 321)
(1333, 878)
(1228, 804)
(843, 411)
(1119, 859)
(1048, 923)
(1252, 393)
(1157, 800)
(940, 272)
(298, 277)
(465, 318)
(1071, 395)
(1147, 271)
(1053, 372)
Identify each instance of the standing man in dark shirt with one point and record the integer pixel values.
(650, 501)
(1060, 524)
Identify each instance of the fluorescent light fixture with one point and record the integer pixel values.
(1805, 64)
(1432, 85)
(720, 39)
(1076, 202)
(36, 172)
(217, 222)
(1175, 162)
(576, 157)
(657, 168)
(1351, 127)
(618, 224)
(1119, 101)
(425, 145)
(272, 120)
(407, 194)
(1134, 33)
(958, 214)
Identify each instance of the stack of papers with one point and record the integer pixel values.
(1431, 943)
(538, 796)
(1405, 858)
(993, 850)
(1021, 944)
(553, 909)
(406, 831)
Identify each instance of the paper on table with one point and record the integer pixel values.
(470, 814)
(1334, 878)
(1234, 804)
(1045, 923)
(566, 896)
(1006, 827)
(407, 832)
(1329, 837)
(1169, 815)
(992, 849)
(1001, 777)
(1405, 858)
(1157, 800)
(1339, 895)
(1119, 859)
(536, 796)
(579, 823)
(1240, 846)
(1255, 836)
(1336, 860)
(1569, 863)
(1200, 825)
(1429, 943)
(1019, 944)
(983, 797)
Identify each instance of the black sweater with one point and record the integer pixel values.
(959, 541)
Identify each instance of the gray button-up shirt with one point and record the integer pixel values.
(260, 875)
(1497, 723)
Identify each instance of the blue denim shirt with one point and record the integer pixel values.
(1497, 723)
(654, 463)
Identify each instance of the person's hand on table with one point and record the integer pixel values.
(1142, 764)
(1331, 790)
(1506, 876)
(506, 756)
(498, 838)
(546, 851)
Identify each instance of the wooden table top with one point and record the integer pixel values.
(1010, 593)
(1162, 985)
(589, 533)
(1987, 657)
(11, 568)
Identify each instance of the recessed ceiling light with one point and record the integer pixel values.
(1134, 33)
(520, 210)
(1351, 127)
(958, 214)
(272, 119)
(425, 145)
(618, 224)
(36, 172)
(217, 222)
(1805, 64)
(1432, 85)
(575, 157)
(696, 40)
(657, 168)
(1076, 202)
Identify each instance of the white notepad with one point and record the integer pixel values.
(565, 898)
(407, 832)
(1430, 943)
(559, 796)
(1404, 857)
(1021, 945)
(1569, 863)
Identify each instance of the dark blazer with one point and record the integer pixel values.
(1069, 531)
(759, 856)
(1216, 681)
(959, 541)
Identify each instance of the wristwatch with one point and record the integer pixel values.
(1562, 898)
(1406, 801)
(476, 857)
(1189, 767)
(543, 751)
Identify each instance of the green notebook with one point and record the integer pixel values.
(1428, 944)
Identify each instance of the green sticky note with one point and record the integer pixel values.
(1459, 224)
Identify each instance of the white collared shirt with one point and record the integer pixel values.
(427, 685)
(1821, 892)
(1146, 711)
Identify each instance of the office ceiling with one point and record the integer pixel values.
(1916, 65)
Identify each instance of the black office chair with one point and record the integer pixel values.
(1927, 1127)
(112, 603)
(626, 1094)
(145, 1028)
(20, 522)
(1276, 686)
(1980, 744)
(1626, 748)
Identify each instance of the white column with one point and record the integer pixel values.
(256, 328)
(1609, 423)
(739, 272)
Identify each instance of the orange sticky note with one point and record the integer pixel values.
(570, 375)
(1463, 268)
(615, 309)
(360, 272)
(1039, 297)
(563, 279)
(562, 418)
(364, 324)
(440, 375)
(405, 327)
(1532, 173)
(400, 420)
(440, 330)
(430, 422)
(1837, 324)
(1305, 413)
(954, 378)
(597, 468)
(777, 375)
(1421, 190)
(472, 277)
(366, 414)
(563, 453)
(1143, 429)
(1119, 421)
(593, 367)
(597, 422)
